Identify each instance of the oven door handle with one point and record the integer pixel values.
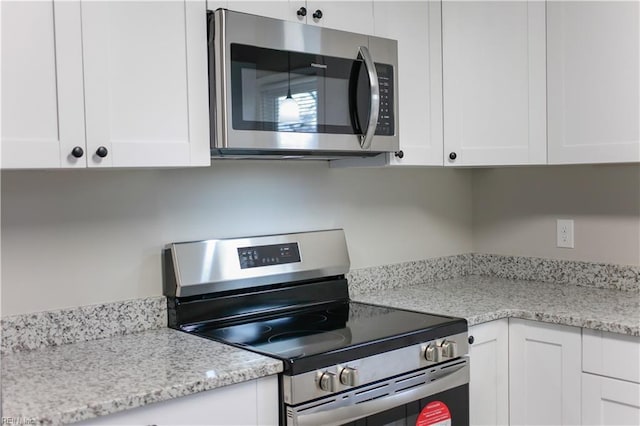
(457, 377)
(374, 106)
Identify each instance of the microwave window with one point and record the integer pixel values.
(275, 90)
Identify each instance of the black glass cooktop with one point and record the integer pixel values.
(339, 332)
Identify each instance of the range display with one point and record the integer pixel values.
(275, 254)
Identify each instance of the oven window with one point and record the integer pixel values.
(455, 400)
(275, 90)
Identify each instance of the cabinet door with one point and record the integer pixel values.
(354, 16)
(249, 403)
(278, 9)
(42, 98)
(417, 28)
(489, 377)
(146, 88)
(594, 90)
(494, 83)
(544, 373)
(608, 401)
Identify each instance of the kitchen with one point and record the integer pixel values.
(96, 235)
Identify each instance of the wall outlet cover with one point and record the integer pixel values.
(564, 232)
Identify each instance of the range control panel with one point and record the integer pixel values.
(386, 122)
(275, 254)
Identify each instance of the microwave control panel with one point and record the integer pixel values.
(386, 122)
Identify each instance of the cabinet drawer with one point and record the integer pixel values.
(610, 354)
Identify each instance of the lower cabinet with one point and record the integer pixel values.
(489, 376)
(610, 379)
(607, 401)
(544, 373)
(249, 403)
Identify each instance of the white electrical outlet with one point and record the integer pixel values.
(565, 233)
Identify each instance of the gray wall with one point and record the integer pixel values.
(515, 211)
(79, 237)
(72, 238)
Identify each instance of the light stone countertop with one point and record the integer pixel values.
(68, 383)
(481, 299)
(72, 382)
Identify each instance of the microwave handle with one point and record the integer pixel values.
(374, 111)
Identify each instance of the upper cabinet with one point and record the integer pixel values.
(494, 83)
(593, 84)
(131, 76)
(416, 27)
(354, 16)
(146, 83)
(42, 90)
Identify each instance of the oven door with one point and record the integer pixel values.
(434, 396)
(298, 87)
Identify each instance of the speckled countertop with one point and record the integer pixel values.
(68, 383)
(480, 299)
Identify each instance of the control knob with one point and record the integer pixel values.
(349, 376)
(328, 381)
(433, 353)
(449, 349)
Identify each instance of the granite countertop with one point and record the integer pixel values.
(480, 299)
(68, 383)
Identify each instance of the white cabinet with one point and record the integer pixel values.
(489, 377)
(494, 83)
(607, 401)
(42, 91)
(593, 84)
(610, 379)
(249, 403)
(417, 28)
(124, 82)
(355, 16)
(146, 83)
(544, 373)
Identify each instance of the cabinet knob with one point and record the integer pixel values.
(302, 12)
(471, 339)
(453, 156)
(317, 14)
(77, 152)
(399, 154)
(101, 152)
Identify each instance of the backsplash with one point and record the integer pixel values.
(590, 274)
(406, 274)
(91, 322)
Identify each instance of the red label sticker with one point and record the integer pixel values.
(436, 413)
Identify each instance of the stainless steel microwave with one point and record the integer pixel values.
(284, 89)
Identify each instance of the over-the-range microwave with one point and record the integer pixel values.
(288, 90)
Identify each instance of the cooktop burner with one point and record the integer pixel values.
(333, 331)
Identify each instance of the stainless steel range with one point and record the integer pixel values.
(286, 296)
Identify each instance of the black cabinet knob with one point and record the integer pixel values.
(453, 156)
(101, 152)
(399, 154)
(317, 14)
(471, 340)
(77, 152)
(302, 12)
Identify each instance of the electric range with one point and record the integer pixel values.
(286, 296)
